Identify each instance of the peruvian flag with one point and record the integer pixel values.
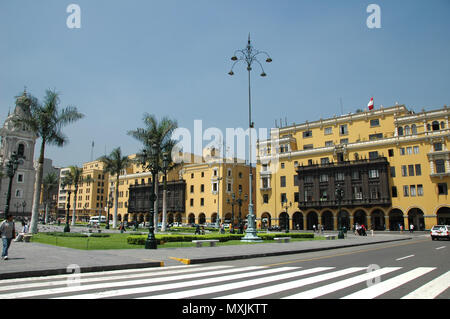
(370, 105)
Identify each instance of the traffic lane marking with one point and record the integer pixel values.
(398, 259)
(432, 289)
(440, 247)
(344, 254)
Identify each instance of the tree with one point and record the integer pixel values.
(46, 121)
(49, 186)
(115, 163)
(75, 178)
(160, 134)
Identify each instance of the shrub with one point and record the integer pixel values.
(61, 234)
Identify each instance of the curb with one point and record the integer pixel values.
(65, 271)
(278, 253)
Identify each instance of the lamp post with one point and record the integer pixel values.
(67, 227)
(240, 201)
(232, 202)
(11, 169)
(339, 195)
(110, 205)
(249, 56)
(152, 160)
(286, 206)
(24, 204)
(164, 168)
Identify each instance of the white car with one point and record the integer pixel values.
(440, 231)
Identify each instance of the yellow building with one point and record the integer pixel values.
(208, 186)
(91, 197)
(392, 164)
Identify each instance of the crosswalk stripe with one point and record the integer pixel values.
(320, 291)
(432, 289)
(77, 288)
(290, 285)
(100, 277)
(385, 286)
(114, 293)
(93, 274)
(246, 284)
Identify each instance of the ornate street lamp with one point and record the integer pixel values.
(11, 169)
(286, 206)
(249, 56)
(150, 161)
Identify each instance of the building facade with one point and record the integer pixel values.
(21, 141)
(392, 164)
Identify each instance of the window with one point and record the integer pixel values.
(442, 125)
(283, 197)
(413, 190)
(418, 170)
(406, 191)
(400, 131)
(407, 130)
(373, 155)
(296, 180)
(373, 173)
(228, 187)
(375, 122)
(20, 178)
(374, 192)
(404, 170)
(435, 126)
(440, 166)
(308, 194)
(416, 149)
(343, 129)
(282, 181)
(377, 136)
(296, 197)
(402, 151)
(308, 179)
(392, 171)
(21, 150)
(265, 182)
(437, 147)
(215, 172)
(329, 143)
(192, 188)
(442, 189)
(356, 175)
(265, 198)
(324, 160)
(420, 190)
(307, 134)
(203, 174)
(308, 147)
(282, 165)
(411, 170)
(340, 176)
(214, 187)
(414, 129)
(409, 150)
(394, 191)
(323, 178)
(323, 194)
(328, 130)
(192, 175)
(391, 152)
(202, 202)
(19, 193)
(343, 141)
(357, 192)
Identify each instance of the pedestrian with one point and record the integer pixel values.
(22, 233)
(8, 233)
(197, 230)
(314, 228)
(411, 228)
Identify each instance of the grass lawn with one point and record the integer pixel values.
(119, 241)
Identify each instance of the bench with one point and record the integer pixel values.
(282, 239)
(330, 237)
(212, 242)
(27, 238)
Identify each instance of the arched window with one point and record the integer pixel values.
(428, 127)
(435, 125)
(407, 130)
(21, 150)
(400, 130)
(414, 129)
(442, 125)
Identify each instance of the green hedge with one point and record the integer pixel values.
(60, 234)
(140, 240)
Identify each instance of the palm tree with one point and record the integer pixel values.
(75, 176)
(115, 163)
(49, 186)
(46, 121)
(159, 134)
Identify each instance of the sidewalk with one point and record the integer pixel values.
(34, 259)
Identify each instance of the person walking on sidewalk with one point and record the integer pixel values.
(8, 233)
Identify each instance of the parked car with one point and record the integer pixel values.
(440, 231)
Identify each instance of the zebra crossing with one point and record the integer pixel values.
(230, 282)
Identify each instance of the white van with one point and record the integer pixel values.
(94, 220)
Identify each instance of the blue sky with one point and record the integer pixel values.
(172, 58)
